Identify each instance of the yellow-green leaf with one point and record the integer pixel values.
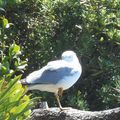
(5, 22)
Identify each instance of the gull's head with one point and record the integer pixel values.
(69, 56)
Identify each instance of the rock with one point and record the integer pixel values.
(74, 114)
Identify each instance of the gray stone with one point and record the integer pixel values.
(74, 114)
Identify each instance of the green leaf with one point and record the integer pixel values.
(5, 22)
(101, 39)
(10, 85)
(1, 83)
(4, 69)
(14, 50)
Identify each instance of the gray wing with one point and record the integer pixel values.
(50, 75)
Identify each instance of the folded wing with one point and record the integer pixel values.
(52, 73)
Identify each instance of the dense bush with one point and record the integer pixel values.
(14, 104)
(44, 29)
(102, 19)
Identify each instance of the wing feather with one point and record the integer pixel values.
(52, 73)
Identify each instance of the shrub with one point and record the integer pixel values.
(101, 21)
(14, 104)
(44, 29)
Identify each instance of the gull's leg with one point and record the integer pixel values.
(60, 92)
(58, 95)
(58, 100)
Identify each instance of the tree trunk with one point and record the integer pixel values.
(74, 114)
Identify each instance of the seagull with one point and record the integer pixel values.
(56, 76)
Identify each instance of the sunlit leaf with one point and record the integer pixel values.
(5, 22)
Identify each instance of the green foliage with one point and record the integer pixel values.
(77, 100)
(101, 19)
(44, 29)
(109, 94)
(10, 3)
(14, 104)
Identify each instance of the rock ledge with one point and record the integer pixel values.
(74, 114)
